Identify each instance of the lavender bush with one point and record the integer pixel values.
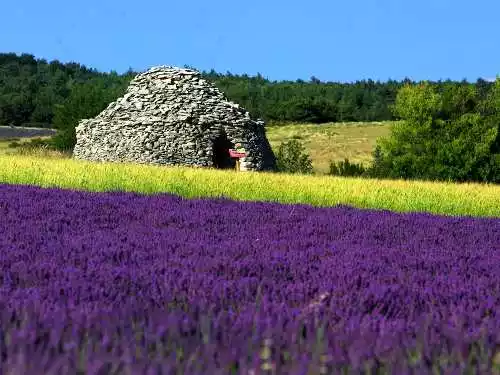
(121, 283)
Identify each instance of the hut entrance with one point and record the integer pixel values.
(221, 157)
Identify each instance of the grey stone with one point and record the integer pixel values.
(172, 116)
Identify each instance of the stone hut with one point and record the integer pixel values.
(171, 116)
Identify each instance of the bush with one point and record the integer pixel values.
(347, 169)
(65, 140)
(291, 158)
(380, 167)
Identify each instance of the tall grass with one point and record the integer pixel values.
(468, 199)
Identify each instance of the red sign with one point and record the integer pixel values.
(236, 154)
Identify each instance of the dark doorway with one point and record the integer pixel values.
(221, 157)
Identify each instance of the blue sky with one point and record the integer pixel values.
(332, 40)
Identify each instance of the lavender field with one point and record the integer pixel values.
(123, 283)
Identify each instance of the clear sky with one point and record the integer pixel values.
(333, 40)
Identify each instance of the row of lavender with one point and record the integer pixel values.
(105, 283)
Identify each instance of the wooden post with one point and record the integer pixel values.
(237, 164)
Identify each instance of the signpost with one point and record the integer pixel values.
(237, 154)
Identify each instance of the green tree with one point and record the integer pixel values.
(86, 100)
(427, 144)
(292, 158)
(25, 81)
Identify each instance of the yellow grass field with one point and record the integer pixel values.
(397, 195)
(335, 141)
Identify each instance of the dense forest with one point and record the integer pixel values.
(32, 90)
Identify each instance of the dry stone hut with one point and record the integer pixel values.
(172, 116)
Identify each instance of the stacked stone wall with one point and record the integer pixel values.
(172, 116)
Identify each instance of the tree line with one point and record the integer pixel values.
(34, 92)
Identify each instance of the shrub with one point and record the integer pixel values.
(347, 169)
(291, 158)
(380, 166)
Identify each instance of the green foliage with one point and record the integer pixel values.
(457, 100)
(86, 100)
(380, 167)
(292, 158)
(419, 104)
(347, 169)
(451, 135)
(29, 88)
